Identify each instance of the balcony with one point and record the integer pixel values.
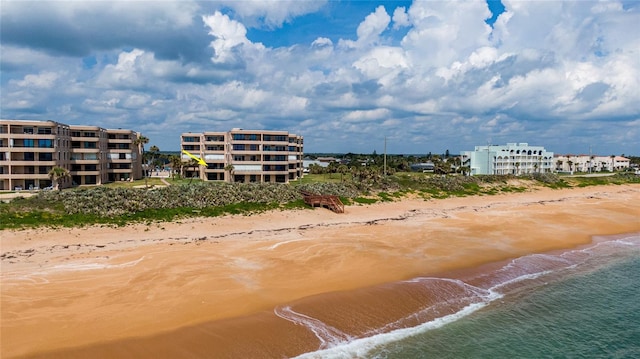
(85, 150)
(119, 170)
(120, 140)
(85, 173)
(23, 176)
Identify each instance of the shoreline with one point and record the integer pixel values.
(150, 279)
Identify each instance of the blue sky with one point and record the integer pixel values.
(427, 75)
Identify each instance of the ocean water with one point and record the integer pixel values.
(581, 303)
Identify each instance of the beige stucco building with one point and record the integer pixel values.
(245, 155)
(93, 155)
(591, 163)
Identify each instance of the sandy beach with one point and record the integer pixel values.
(152, 290)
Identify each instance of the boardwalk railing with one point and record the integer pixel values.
(318, 200)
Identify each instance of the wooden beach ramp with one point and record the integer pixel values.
(319, 200)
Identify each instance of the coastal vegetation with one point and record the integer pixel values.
(118, 204)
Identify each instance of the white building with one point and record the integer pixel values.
(512, 158)
(590, 163)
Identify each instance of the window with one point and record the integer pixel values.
(75, 133)
(190, 139)
(90, 168)
(44, 130)
(237, 147)
(45, 143)
(29, 156)
(215, 138)
(90, 180)
(90, 145)
(45, 157)
(28, 130)
(215, 166)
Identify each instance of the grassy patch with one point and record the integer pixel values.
(385, 197)
(365, 200)
(39, 218)
(513, 189)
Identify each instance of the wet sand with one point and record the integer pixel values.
(209, 287)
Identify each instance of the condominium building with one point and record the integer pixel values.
(590, 163)
(93, 155)
(512, 158)
(245, 155)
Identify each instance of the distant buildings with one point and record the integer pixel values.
(590, 163)
(245, 155)
(512, 158)
(423, 167)
(93, 155)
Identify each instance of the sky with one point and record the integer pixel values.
(427, 76)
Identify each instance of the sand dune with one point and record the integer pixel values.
(76, 288)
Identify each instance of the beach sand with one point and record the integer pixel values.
(219, 287)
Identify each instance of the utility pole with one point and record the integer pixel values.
(385, 156)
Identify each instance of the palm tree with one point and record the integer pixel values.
(559, 164)
(57, 175)
(229, 168)
(342, 169)
(176, 164)
(140, 141)
(153, 152)
(195, 165)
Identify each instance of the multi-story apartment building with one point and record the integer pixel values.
(93, 155)
(590, 163)
(245, 155)
(512, 158)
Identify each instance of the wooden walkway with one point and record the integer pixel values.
(318, 200)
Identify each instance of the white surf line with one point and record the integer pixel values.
(359, 348)
(327, 334)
